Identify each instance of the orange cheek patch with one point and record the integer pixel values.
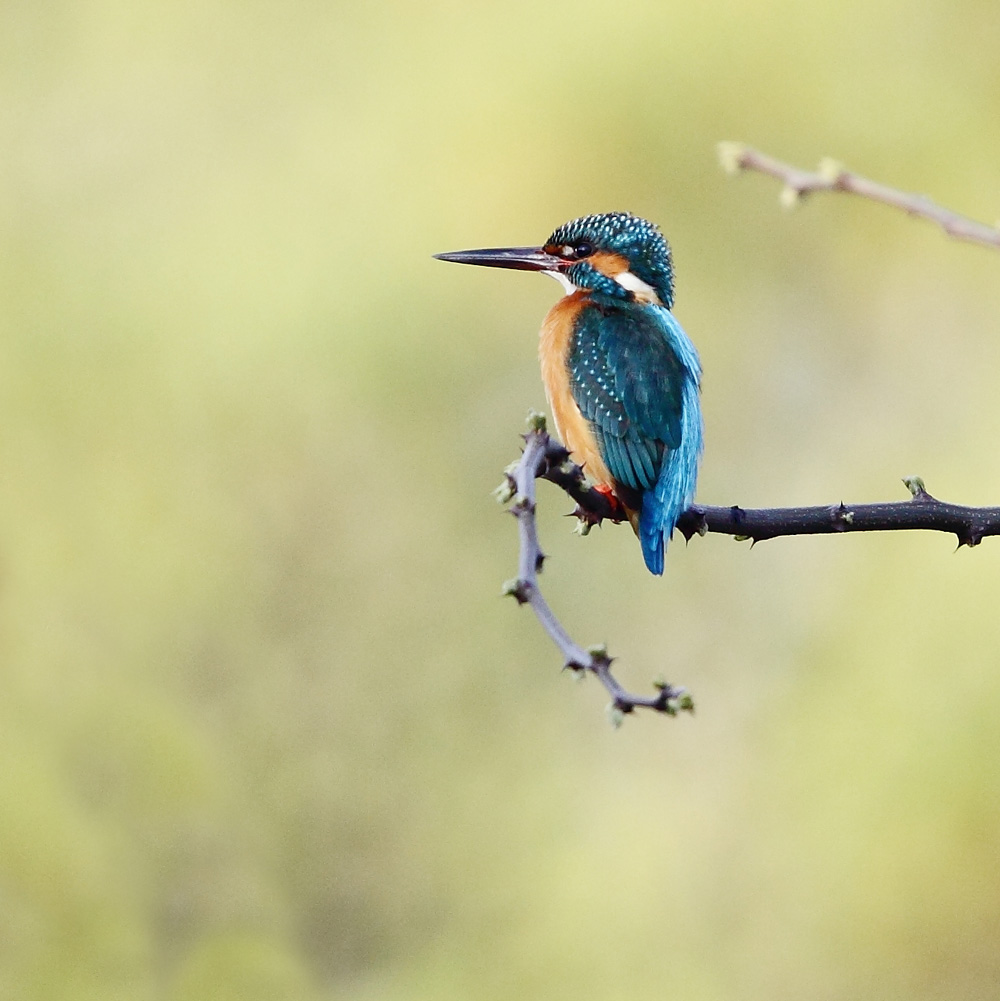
(607, 263)
(616, 267)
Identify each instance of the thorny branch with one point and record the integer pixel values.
(833, 176)
(970, 525)
(546, 458)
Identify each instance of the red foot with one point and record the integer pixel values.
(618, 510)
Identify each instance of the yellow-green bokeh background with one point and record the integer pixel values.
(266, 728)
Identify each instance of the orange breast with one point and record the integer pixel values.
(553, 352)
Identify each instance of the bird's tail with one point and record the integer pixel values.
(674, 490)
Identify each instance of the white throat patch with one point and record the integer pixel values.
(642, 291)
(567, 285)
(635, 284)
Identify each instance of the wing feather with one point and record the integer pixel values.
(628, 382)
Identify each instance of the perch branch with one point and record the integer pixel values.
(547, 458)
(970, 525)
(833, 176)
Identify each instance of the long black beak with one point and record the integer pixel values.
(518, 258)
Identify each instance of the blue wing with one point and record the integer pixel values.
(634, 375)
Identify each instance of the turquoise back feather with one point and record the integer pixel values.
(634, 375)
(674, 490)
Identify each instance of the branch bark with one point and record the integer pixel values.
(970, 525)
(833, 176)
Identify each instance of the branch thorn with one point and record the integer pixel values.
(519, 590)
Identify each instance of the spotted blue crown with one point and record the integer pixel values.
(639, 241)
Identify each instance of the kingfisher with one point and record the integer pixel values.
(621, 376)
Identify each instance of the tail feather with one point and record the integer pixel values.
(674, 490)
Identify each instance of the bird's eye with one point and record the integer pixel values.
(572, 251)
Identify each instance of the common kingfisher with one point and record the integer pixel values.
(622, 377)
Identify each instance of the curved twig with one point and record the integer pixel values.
(833, 176)
(547, 458)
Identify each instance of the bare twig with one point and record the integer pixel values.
(547, 458)
(970, 525)
(833, 176)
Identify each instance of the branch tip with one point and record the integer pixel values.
(731, 156)
(830, 170)
(504, 493)
(790, 197)
(599, 654)
(536, 421)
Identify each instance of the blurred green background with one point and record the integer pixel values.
(267, 729)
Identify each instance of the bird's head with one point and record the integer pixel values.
(614, 253)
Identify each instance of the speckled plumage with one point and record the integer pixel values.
(621, 375)
(635, 375)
